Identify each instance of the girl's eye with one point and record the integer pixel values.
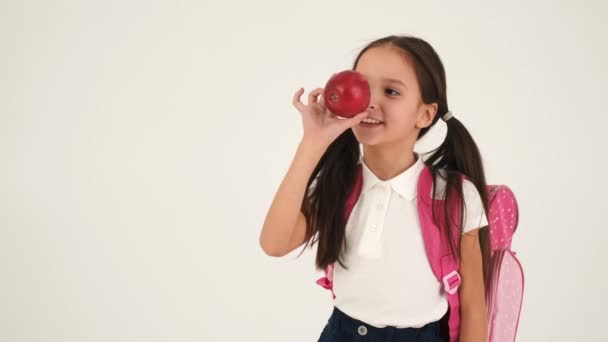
(389, 90)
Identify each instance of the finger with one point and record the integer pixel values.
(312, 97)
(296, 99)
(355, 120)
(322, 103)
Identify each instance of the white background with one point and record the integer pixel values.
(141, 143)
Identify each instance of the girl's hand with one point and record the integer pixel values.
(321, 126)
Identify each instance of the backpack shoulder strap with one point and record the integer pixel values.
(353, 196)
(437, 246)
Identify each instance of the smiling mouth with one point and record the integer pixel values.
(369, 124)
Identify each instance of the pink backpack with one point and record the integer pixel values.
(504, 294)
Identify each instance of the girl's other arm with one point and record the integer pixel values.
(473, 315)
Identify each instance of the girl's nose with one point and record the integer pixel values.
(373, 100)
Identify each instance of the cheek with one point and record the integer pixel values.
(400, 115)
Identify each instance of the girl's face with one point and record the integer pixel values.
(395, 98)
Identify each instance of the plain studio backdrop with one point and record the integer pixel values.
(142, 142)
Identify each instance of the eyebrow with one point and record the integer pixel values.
(392, 80)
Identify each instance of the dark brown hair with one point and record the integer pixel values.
(334, 175)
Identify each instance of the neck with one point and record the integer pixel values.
(388, 162)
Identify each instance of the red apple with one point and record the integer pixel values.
(347, 93)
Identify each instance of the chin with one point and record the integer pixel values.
(368, 141)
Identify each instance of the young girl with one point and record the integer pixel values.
(383, 284)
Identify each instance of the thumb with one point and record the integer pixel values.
(355, 120)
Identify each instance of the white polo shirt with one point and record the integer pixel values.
(389, 281)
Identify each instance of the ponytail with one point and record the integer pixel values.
(459, 155)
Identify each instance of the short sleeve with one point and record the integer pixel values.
(475, 216)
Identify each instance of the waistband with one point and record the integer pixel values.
(343, 322)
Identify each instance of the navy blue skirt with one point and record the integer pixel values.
(342, 328)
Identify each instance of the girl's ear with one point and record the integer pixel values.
(427, 115)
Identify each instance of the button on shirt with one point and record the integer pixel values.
(389, 280)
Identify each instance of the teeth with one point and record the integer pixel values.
(371, 121)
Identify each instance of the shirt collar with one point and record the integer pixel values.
(405, 183)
